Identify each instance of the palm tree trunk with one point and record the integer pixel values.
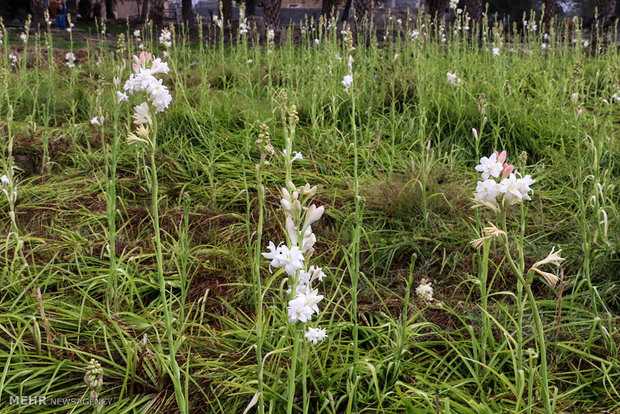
(272, 14)
(362, 9)
(474, 9)
(157, 12)
(37, 7)
(606, 10)
(227, 12)
(328, 7)
(187, 12)
(436, 8)
(145, 10)
(550, 11)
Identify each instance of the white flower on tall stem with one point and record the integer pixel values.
(142, 114)
(425, 290)
(495, 51)
(165, 37)
(315, 335)
(453, 79)
(346, 82)
(553, 258)
(9, 190)
(24, 37)
(490, 167)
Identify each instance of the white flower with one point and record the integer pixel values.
(121, 97)
(270, 34)
(297, 156)
(95, 121)
(454, 4)
(136, 33)
(317, 41)
(69, 29)
(281, 256)
(243, 28)
(24, 37)
(511, 189)
(142, 114)
(425, 290)
(346, 82)
(70, 57)
(414, 34)
(298, 310)
(315, 335)
(495, 51)
(523, 184)
(453, 79)
(5, 180)
(489, 167)
(488, 191)
(616, 97)
(13, 59)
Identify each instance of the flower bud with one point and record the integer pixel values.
(313, 214)
(507, 170)
(286, 205)
(475, 132)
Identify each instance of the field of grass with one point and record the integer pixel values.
(146, 257)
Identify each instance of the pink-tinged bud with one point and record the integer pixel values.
(296, 205)
(578, 112)
(507, 170)
(285, 194)
(286, 205)
(475, 132)
(501, 157)
(575, 97)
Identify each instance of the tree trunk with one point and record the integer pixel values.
(72, 9)
(250, 8)
(110, 5)
(329, 8)
(227, 12)
(345, 11)
(550, 11)
(145, 10)
(436, 8)
(187, 12)
(362, 9)
(474, 9)
(84, 9)
(272, 14)
(606, 10)
(157, 13)
(37, 7)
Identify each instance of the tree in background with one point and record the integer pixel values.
(362, 9)
(157, 12)
(474, 9)
(328, 7)
(37, 7)
(187, 12)
(271, 12)
(436, 7)
(550, 12)
(227, 12)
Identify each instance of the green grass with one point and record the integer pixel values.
(416, 158)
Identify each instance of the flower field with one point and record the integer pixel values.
(416, 218)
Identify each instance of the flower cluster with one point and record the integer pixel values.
(453, 79)
(243, 22)
(13, 59)
(24, 37)
(165, 38)
(293, 256)
(9, 190)
(425, 290)
(70, 59)
(501, 182)
(143, 80)
(138, 36)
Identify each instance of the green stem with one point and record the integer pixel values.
(174, 367)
